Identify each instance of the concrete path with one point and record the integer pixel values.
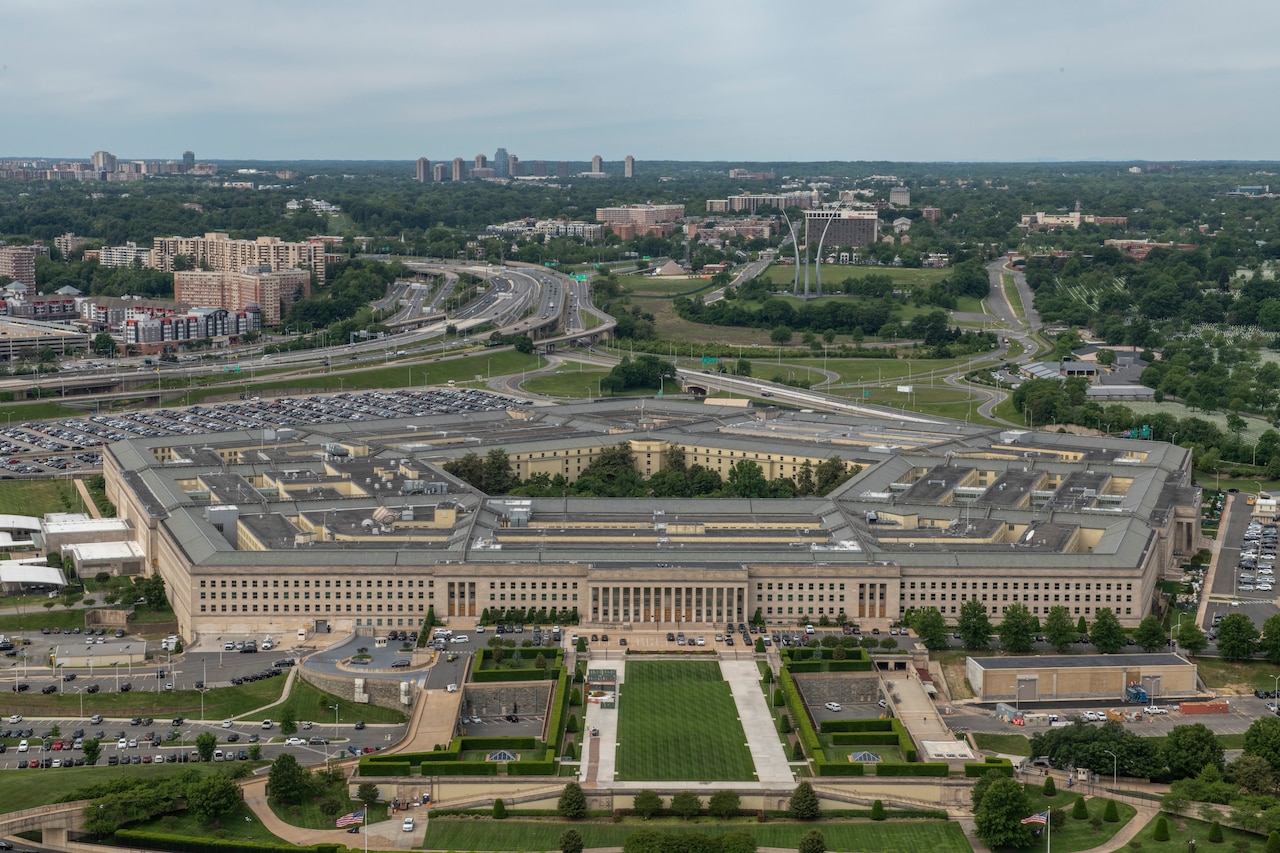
(603, 749)
(89, 506)
(766, 749)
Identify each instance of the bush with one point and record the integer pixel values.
(1161, 830)
(877, 810)
(1273, 842)
(784, 724)
(1079, 810)
(499, 809)
(572, 725)
(797, 752)
(804, 803)
(1050, 789)
(1111, 814)
(571, 841)
(573, 803)
(1215, 832)
(813, 841)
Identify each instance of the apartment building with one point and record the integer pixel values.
(19, 264)
(124, 256)
(273, 291)
(222, 254)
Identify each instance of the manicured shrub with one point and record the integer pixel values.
(1161, 830)
(877, 810)
(1079, 810)
(1111, 814)
(1050, 789)
(499, 809)
(1215, 832)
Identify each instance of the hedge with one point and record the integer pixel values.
(850, 666)
(1003, 766)
(800, 714)
(461, 768)
(805, 666)
(483, 676)
(391, 768)
(898, 768)
(164, 841)
(546, 767)
(839, 768)
(559, 707)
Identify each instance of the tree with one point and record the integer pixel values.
(92, 751)
(288, 725)
(932, 629)
(1271, 638)
(1081, 627)
(1018, 630)
(998, 817)
(686, 804)
(1050, 788)
(781, 335)
(523, 344)
(571, 841)
(1191, 638)
(290, 783)
(213, 796)
(1079, 811)
(812, 841)
(367, 794)
(1189, 748)
(1252, 774)
(1058, 628)
(1111, 814)
(104, 346)
(1263, 740)
(804, 802)
(1273, 842)
(1150, 635)
(973, 625)
(1107, 636)
(573, 802)
(206, 743)
(255, 751)
(1161, 830)
(877, 810)
(1237, 638)
(723, 804)
(647, 804)
(499, 809)
(1215, 833)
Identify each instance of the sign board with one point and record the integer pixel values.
(708, 359)
(866, 393)
(904, 389)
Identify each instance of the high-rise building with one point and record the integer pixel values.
(439, 173)
(562, 169)
(900, 196)
(423, 171)
(629, 167)
(19, 264)
(188, 160)
(103, 161)
(219, 252)
(500, 161)
(482, 162)
(539, 168)
(842, 228)
(274, 291)
(123, 256)
(458, 173)
(597, 162)
(514, 169)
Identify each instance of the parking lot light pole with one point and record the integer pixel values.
(1115, 763)
(1276, 693)
(1173, 642)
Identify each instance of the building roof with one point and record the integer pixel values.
(1081, 661)
(92, 552)
(31, 573)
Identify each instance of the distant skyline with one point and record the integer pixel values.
(662, 80)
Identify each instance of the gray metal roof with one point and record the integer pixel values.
(1080, 661)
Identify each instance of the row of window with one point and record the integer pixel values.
(306, 608)
(1031, 585)
(792, 586)
(306, 584)
(307, 594)
(532, 585)
(1057, 598)
(563, 596)
(769, 597)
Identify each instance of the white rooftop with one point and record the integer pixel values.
(87, 552)
(85, 525)
(30, 572)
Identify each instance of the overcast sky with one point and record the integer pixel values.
(658, 79)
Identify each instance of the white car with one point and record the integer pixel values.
(408, 824)
(1156, 709)
(461, 638)
(226, 724)
(295, 741)
(1091, 716)
(832, 706)
(23, 746)
(16, 718)
(122, 743)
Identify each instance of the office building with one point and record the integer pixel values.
(752, 202)
(639, 214)
(273, 291)
(597, 163)
(482, 162)
(900, 196)
(501, 163)
(103, 161)
(422, 172)
(458, 166)
(629, 167)
(853, 228)
(514, 169)
(217, 251)
(562, 169)
(539, 168)
(19, 264)
(290, 533)
(188, 160)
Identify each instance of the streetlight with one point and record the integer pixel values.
(80, 692)
(1276, 678)
(1178, 627)
(1115, 763)
(1017, 696)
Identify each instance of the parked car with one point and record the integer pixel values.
(832, 706)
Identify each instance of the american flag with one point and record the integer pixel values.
(1040, 818)
(358, 817)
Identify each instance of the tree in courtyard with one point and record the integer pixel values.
(998, 816)
(1273, 842)
(974, 625)
(1018, 630)
(1215, 833)
(290, 782)
(1107, 636)
(1059, 631)
(686, 804)
(1252, 774)
(812, 841)
(1263, 740)
(1081, 627)
(1192, 639)
(1150, 635)
(804, 803)
(1111, 814)
(647, 804)
(573, 802)
(723, 804)
(932, 629)
(1050, 788)
(206, 743)
(1079, 811)
(1161, 830)
(877, 810)
(571, 841)
(213, 796)
(367, 794)
(1237, 638)
(1190, 748)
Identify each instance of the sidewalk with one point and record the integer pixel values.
(766, 749)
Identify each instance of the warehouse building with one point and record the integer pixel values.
(1119, 678)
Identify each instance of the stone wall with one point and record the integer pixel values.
(500, 699)
(818, 688)
(383, 692)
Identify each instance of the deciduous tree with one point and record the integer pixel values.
(1107, 636)
(1059, 630)
(1018, 630)
(1150, 635)
(998, 818)
(1237, 637)
(974, 625)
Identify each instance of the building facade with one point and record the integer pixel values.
(218, 252)
(853, 228)
(422, 170)
(273, 291)
(19, 264)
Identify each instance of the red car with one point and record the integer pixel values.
(368, 750)
(57, 744)
(33, 763)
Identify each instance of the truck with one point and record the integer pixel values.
(1136, 694)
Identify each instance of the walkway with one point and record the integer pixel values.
(772, 767)
(604, 747)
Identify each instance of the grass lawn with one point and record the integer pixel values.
(1243, 677)
(679, 721)
(36, 497)
(1078, 834)
(566, 383)
(37, 411)
(232, 827)
(470, 834)
(25, 789)
(143, 700)
(643, 285)
(1007, 744)
(1011, 293)
(834, 274)
(308, 702)
(1183, 830)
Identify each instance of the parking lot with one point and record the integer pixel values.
(1244, 579)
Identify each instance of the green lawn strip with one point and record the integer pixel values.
(833, 275)
(308, 702)
(26, 789)
(679, 721)
(1183, 830)
(1012, 294)
(313, 813)
(143, 700)
(240, 825)
(37, 497)
(1246, 675)
(1006, 744)
(568, 383)
(36, 411)
(470, 834)
(1078, 834)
